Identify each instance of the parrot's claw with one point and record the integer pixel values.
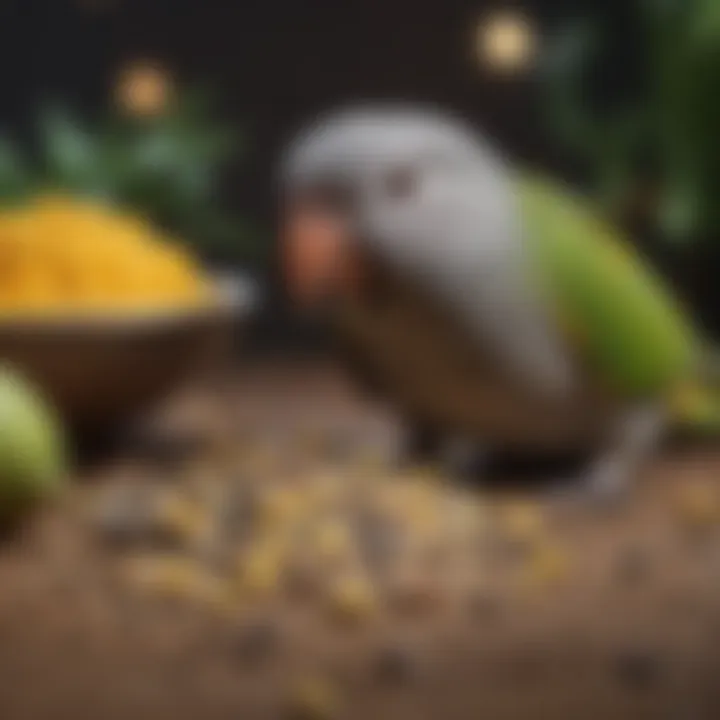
(608, 481)
(607, 486)
(593, 491)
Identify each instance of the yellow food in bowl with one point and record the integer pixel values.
(62, 254)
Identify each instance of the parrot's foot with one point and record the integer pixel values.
(603, 486)
(608, 480)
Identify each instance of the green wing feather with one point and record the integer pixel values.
(631, 330)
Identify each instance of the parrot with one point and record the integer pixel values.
(484, 301)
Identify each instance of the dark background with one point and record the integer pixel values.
(276, 63)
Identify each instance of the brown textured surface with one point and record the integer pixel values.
(101, 371)
(75, 645)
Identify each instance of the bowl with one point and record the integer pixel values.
(102, 369)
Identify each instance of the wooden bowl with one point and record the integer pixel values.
(101, 370)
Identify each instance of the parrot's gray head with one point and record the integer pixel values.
(356, 145)
(421, 193)
(388, 182)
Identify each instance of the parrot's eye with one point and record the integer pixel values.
(400, 183)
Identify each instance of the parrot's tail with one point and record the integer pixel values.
(696, 404)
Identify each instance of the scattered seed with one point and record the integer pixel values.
(238, 512)
(547, 565)
(224, 601)
(260, 570)
(123, 518)
(352, 599)
(181, 518)
(313, 698)
(332, 541)
(378, 539)
(326, 491)
(135, 516)
(698, 506)
(523, 523)
(420, 510)
(167, 577)
(466, 519)
(280, 507)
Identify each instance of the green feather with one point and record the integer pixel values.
(634, 334)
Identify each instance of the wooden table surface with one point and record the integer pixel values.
(629, 630)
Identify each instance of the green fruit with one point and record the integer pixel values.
(32, 458)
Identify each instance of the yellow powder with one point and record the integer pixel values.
(61, 254)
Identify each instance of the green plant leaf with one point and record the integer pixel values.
(563, 70)
(215, 233)
(15, 177)
(164, 167)
(679, 216)
(69, 152)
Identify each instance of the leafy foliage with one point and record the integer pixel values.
(166, 167)
(665, 127)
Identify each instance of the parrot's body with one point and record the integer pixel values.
(497, 307)
(623, 332)
(408, 351)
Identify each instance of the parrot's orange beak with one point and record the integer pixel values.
(317, 255)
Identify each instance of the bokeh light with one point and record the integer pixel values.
(144, 88)
(506, 41)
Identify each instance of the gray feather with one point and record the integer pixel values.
(458, 234)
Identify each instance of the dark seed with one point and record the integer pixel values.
(132, 516)
(394, 666)
(637, 669)
(239, 511)
(124, 518)
(117, 529)
(256, 642)
(378, 539)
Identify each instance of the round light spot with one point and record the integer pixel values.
(144, 88)
(506, 41)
